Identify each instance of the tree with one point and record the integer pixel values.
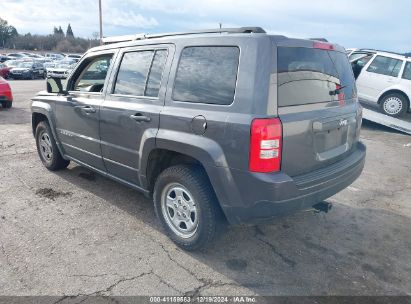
(56, 41)
(60, 31)
(69, 32)
(6, 32)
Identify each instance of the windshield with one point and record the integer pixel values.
(308, 75)
(26, 65)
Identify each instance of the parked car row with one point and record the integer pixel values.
(31, 66)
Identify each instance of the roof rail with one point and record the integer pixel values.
(114, 39)
(240, 30)
(374, 50)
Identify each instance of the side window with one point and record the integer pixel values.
(407, 71)
(131, 77)
(207, 75)
(140, 73)
(156, 73)
(93, 74)
(385, 65)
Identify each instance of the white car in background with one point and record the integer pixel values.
(383, 78)
(73, 57)
(61, 69)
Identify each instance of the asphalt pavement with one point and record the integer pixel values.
(77, 233)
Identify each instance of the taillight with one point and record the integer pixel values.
(341, 96)
(265, 145)
(323, 46)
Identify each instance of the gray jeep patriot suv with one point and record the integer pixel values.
(219, 124)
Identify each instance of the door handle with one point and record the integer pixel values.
(86, 109)
(140, 117)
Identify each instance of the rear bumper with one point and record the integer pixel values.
(265, 196)
(6, 95)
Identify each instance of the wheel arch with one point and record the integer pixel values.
(42, 111)
(395, 91)
(160, 159)
(36, 118)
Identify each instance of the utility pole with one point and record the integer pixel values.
(101, 22)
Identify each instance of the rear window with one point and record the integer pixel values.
(307, 75)
(207, 75)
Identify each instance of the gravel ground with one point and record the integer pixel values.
(77, 233)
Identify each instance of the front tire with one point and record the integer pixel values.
(47, 148)
(394, 105)
(186, 206)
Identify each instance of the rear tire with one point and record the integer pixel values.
(394, 105)
(186, 206)
(7, 104)
(47, 148)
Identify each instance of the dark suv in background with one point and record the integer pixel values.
(27, 70)
(226, 123)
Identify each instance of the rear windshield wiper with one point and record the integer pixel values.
(337, 91)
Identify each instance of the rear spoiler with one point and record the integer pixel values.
(319, 39)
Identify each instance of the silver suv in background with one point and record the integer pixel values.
(383, 78)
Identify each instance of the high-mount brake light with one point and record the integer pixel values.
(265, 145)
(323, 46)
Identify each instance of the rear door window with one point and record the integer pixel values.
(385, 66)
(132, 75)
(207, 74)
(407, 71)
(156, 73)
(140, 73)
(308, 75)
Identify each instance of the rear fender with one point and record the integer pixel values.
(396, 89)
(204, 150)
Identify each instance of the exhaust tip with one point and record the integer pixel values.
(323, 207)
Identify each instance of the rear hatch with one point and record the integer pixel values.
(317, 105)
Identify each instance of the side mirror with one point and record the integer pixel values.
(54, 85)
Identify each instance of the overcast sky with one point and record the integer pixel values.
(382, 24)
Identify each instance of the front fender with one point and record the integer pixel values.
(45, 108)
